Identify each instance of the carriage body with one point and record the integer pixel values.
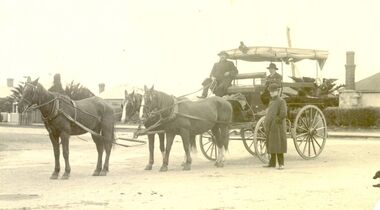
(305, 122)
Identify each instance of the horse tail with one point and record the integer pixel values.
(226, 113)
(113, 135)
(226, 138)
(193, 144)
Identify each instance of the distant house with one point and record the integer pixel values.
(369, 84)
(115, 96)
(366, 93)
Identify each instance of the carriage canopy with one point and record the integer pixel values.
(278, 54)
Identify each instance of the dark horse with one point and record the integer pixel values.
(188, 119)
(131, 106)
(64, 117)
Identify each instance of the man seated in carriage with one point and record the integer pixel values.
(272, 78)
(221, 76)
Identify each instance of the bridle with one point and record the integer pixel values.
(35, 91)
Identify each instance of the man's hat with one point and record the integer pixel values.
(223, 53)
(272, 66)
(273, 87)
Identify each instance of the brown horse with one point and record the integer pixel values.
(188, 119)
(64, 117)
(131, 106)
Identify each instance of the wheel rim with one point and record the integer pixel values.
(208, 146)
(248, 140)
(309, 132)
(260, 141)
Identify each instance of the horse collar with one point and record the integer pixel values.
(54, 112)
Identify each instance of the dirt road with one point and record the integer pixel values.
(341, 178)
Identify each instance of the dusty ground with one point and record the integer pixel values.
(341, 178)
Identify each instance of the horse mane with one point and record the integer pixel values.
(165, 101)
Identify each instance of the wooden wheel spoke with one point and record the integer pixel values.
(304, 123)
(251, 144)
(320, 128)
(306, 118)
(310, 117)
(263, 148)
(259, 137)
(304, 148)
(319, 135)
(260, 131)
(314, 118)
(300, 135)
(316, 141)
(211, 146)
(312, 142)
(309, 144)
(212, 150)
(304, 129)
(209, 142)
(303, 140)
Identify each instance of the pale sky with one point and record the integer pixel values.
(173, 44)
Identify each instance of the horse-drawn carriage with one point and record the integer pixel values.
(179, 116)
(305, 98)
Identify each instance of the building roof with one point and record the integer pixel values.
(369, 84)
(118, 92)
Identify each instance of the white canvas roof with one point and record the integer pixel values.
(278, 54)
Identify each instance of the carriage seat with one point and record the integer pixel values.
(249, 80)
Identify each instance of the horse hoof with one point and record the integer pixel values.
(148, 167)
(103, 173)
(96, 173)
(65, 176)
(186, 167)
(219, 165)
(163, 169)
(54, 176)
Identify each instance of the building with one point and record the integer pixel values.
(364, 93)
(115, 96)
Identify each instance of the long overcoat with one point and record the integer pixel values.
(275, 126)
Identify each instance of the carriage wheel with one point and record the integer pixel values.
(208, 146)
(248, 141)
(309, 132)
(260, 140)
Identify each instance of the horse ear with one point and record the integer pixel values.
(133, 93)
(125, 93)
(152, 88)
(36, 81)
(145, 88)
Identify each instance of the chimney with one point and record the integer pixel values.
(350, 70)
(10, 82)
(102, 87)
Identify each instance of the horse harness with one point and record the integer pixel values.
(56, 111)
(173, 114)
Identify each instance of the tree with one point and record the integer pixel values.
(77, 91)
(74, 90)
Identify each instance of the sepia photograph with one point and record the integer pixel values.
(199, 105)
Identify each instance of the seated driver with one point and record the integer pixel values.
(222, 74)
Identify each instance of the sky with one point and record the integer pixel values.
(173, 44)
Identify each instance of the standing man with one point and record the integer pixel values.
(275, 128)
(57, 85)
(273, 77)
(222, 73)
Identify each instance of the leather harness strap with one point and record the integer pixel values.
(79, 124)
